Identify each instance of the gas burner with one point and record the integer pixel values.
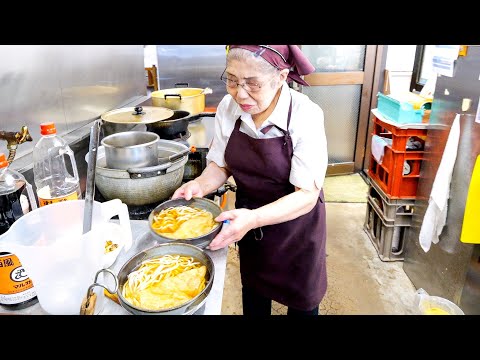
(141, 212)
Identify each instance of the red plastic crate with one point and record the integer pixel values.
(390, 176)
(398, 135)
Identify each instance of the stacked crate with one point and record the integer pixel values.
(393, 187)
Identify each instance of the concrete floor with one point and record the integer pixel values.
(359, 282)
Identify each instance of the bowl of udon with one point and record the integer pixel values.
(166, 279)
(185, 221)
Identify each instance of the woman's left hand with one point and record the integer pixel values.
(240, 222)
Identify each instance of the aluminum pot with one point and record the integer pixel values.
(159, 250)
(142, 186)
(187, 99)
(131, 149)
(202, 203)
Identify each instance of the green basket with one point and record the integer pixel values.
(401, 112)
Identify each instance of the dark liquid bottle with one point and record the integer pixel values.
(16, 288)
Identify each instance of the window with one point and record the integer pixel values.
(422, 67)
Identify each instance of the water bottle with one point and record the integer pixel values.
(54, 182)
(16, 288)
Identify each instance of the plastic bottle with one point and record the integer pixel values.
(54, 182)
(16, 288)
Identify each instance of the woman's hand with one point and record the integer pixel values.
(188, 190)
(240, 222)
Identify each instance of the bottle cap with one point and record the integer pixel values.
(3, 161)
(47, 128)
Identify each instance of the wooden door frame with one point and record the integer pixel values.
(369, 79)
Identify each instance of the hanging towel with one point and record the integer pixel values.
(378, 147)
(436, 214)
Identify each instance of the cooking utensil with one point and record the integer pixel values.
(126, 119)
(202, 203)
(177, 124)
(137, 115)
(187, 308)
(172, 126)
(90, 182)
(174, 157)
(89, 302)
(131, 149)
(141, 186)
(187, 99)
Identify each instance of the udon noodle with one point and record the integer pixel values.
(183, 222)
(164, 282)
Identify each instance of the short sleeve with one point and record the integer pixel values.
(310, 156)
(216, 151)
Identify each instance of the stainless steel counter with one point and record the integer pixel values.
(142, 239)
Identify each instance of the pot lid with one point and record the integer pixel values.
(137, 115)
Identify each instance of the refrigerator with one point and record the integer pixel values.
(451, 268)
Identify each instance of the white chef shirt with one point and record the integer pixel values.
(307, 131)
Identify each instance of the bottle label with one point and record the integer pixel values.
(15, 285)
(48, 201)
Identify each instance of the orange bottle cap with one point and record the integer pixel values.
(47, 128)
(3, 161)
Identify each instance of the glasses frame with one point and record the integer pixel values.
(260, 86)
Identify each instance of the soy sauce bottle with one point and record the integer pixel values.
(16, 288)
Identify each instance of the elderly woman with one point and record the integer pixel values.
(271, 139)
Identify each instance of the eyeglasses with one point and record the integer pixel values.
(249, 86)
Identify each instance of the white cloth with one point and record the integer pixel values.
(436, 214)
(310, 157)
(378, 148)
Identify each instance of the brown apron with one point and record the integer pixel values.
(287, 264)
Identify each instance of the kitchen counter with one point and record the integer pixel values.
(142, 239)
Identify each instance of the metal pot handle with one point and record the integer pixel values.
(176, 95)
(150, 171)
(181, 85)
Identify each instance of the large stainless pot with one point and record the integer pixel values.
(131, 149)
(142, 186)
(187, 99)
(159, 250)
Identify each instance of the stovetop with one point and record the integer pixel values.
(136, 212)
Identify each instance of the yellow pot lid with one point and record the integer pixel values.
(137, 115)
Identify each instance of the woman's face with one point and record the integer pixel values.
(256, 99)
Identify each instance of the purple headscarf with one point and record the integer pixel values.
(283, 57)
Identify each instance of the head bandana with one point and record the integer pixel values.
(283, 57)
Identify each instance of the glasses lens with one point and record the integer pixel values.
(248, 86)
(228, 82)
(251, 86)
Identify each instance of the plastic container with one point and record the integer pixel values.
(16, 288)
(402, 112)
(61, 259)
(53, 179)
(435, 305)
